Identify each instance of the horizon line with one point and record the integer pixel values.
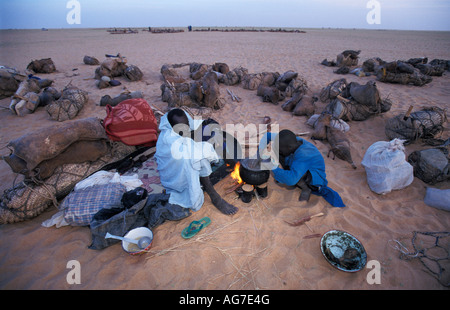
(225, 27)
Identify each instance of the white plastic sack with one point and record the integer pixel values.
(386, 166)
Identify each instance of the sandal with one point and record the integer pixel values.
(194, 227)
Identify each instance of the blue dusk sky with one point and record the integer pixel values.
(390, 14)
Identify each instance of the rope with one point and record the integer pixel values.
(421, 254)
(44, 186)
(401, 248)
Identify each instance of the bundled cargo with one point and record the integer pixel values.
(426, 123)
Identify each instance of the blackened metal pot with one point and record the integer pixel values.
(251, 173)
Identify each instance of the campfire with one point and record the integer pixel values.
(235, 174)
(244, 190)
(237, 181)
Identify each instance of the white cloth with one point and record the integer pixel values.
(57, 220)
(181, 162)
(104, 177)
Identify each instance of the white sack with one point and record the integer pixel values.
(386, 166)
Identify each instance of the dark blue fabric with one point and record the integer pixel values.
(307, 158)
(331, 196)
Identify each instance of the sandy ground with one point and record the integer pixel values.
(255, 248)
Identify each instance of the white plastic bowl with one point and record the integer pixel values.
(136, 234)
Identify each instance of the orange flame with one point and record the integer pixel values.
(235, 174)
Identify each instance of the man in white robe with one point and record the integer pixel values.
(185, 165)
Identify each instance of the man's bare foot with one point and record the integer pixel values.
(224, 206)
(217, 201)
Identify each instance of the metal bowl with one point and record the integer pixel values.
(343, 251)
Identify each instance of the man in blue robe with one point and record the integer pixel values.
(303, 166)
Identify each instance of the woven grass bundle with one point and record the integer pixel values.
(425, 124)
(67, 107)
(430, 121)
(26, 200)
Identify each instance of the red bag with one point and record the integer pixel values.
(132, 122)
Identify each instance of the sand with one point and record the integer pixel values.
(255, 248)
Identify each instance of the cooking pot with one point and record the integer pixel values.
(251, 173)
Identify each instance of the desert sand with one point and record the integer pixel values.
(255, 248)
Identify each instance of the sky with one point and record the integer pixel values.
(366, 14)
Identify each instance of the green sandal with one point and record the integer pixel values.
(195, 227)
